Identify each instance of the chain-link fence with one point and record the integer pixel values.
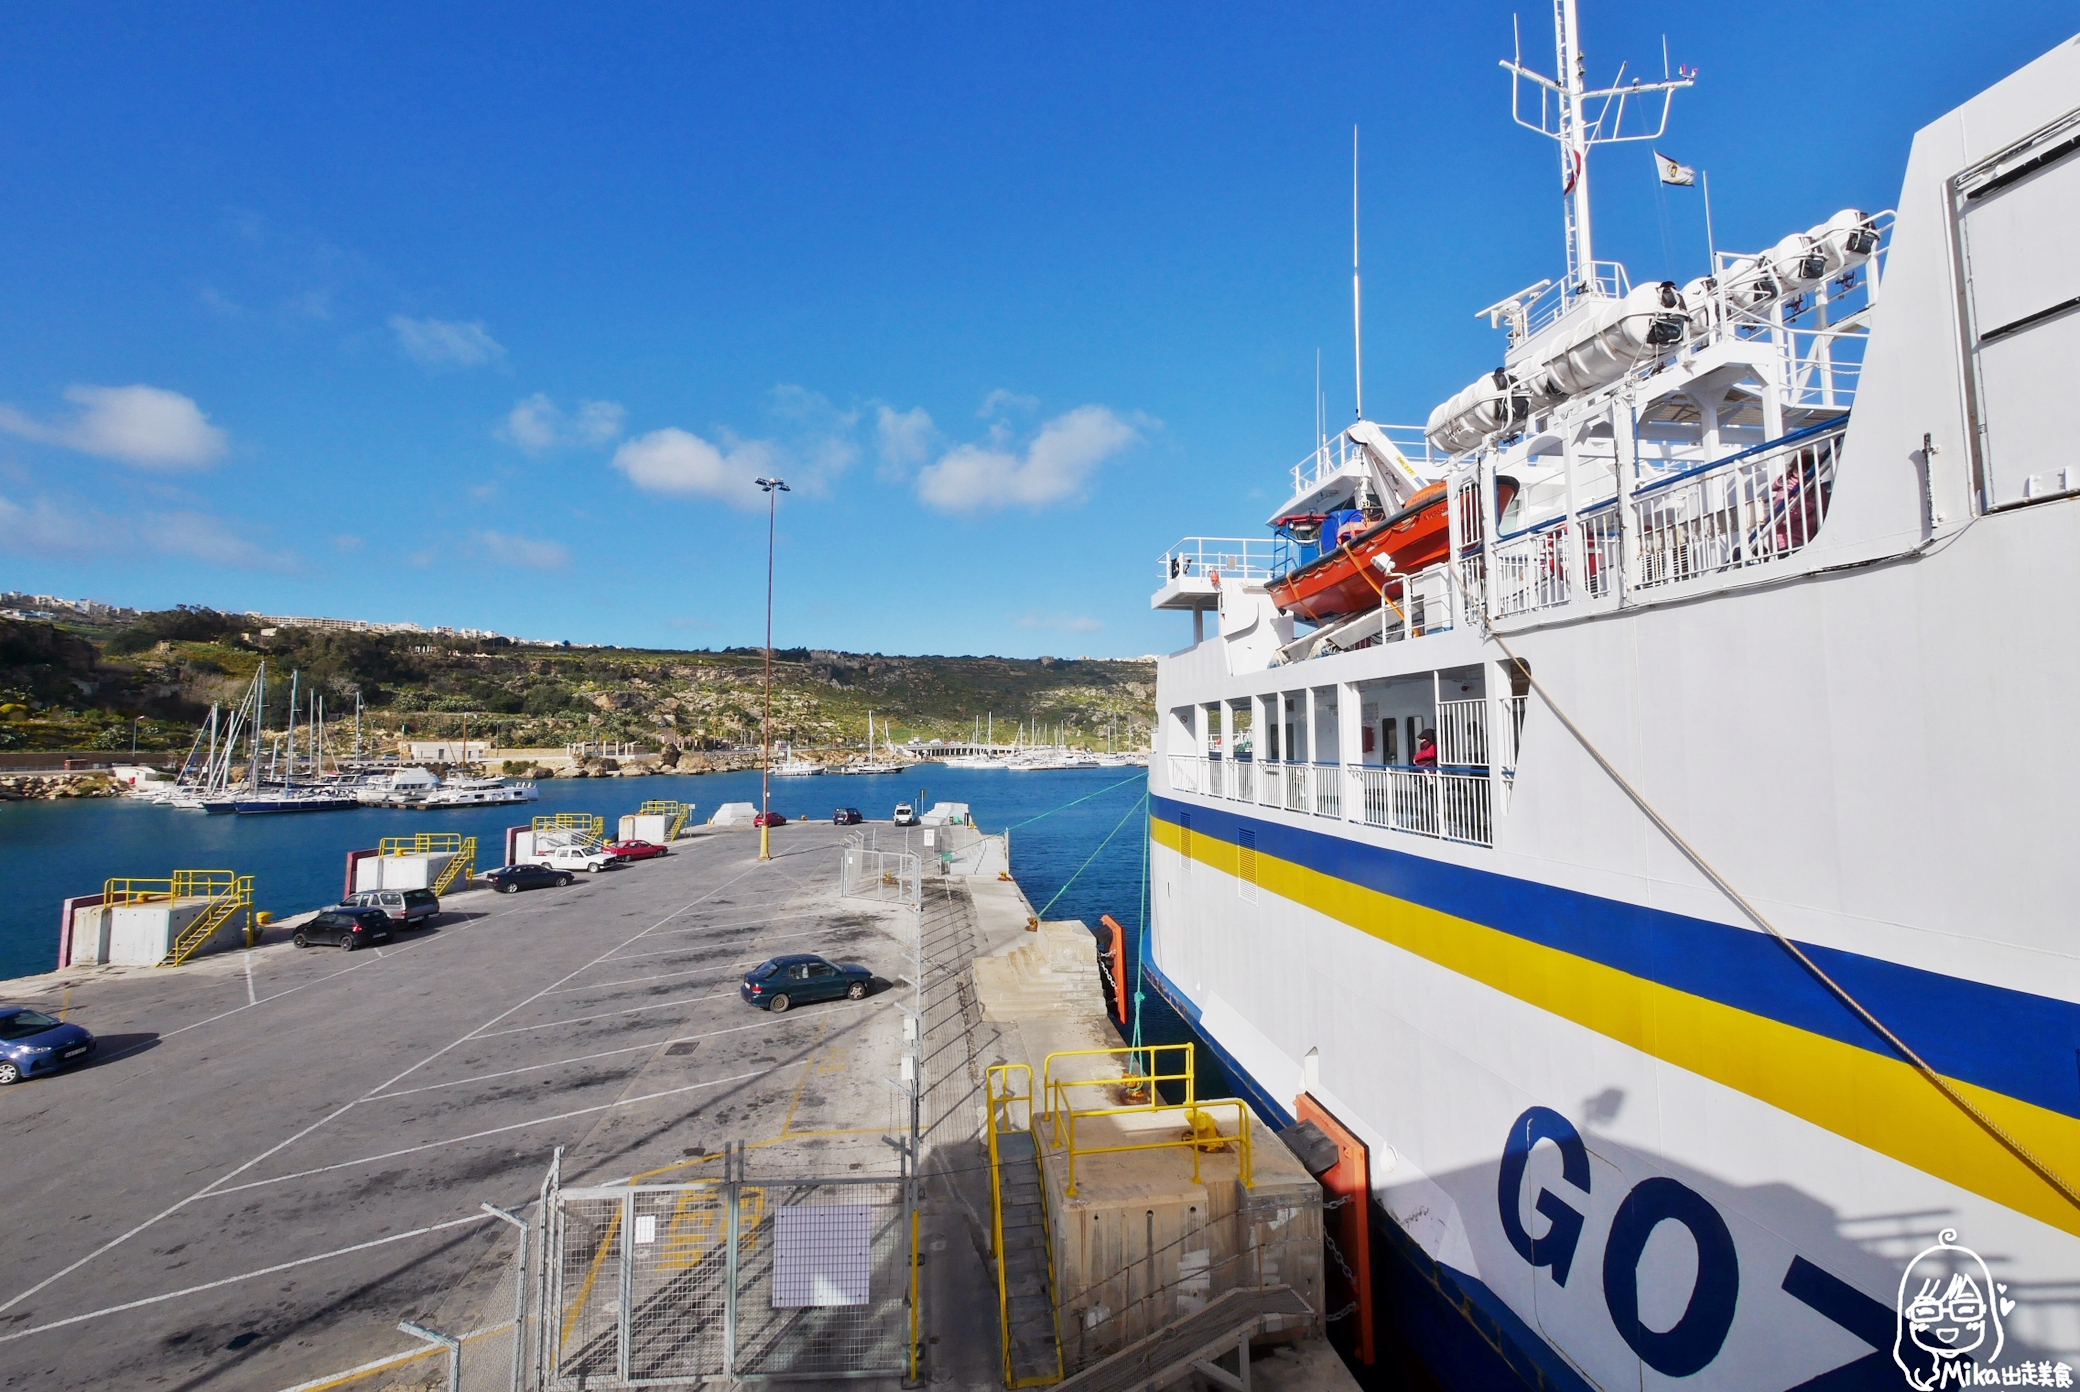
(656, 1285)
(888, 877)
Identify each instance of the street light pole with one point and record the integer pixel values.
(773, 488)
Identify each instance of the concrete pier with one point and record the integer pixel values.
(277, 1155)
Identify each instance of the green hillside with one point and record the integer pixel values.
(70, 685)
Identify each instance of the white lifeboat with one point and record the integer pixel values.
(1463, 421)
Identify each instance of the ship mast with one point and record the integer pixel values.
(1577, 120)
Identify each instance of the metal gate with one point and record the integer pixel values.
(891, 877)
(661, 1285)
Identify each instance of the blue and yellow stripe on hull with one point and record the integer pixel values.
(1726, 1003)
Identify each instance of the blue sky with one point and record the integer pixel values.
(486, 317)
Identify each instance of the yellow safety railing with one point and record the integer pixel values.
(1054, 1091)
(424, 843)
(461, 851)
(225, 892)
(677, 811)
(1001, 1103)
(1202, 1133)
(572, 821)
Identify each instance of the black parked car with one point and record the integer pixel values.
(846, 816)
(511, 879)
(789, 981)
(344, 927)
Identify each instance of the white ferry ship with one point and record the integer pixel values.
(1699, 1004)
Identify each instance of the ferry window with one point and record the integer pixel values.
(1389, 744)
(1411, 736)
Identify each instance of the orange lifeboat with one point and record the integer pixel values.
(1349, 578)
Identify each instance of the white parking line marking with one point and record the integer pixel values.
(245, 1276)
(251, 999)
(496, 1131)
(341, 1111)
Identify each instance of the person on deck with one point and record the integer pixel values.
(1426, 750)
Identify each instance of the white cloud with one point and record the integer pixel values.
(1002, 399)
(149, 427)
(819, 440)
(445, 342)
(530, 553)
(1064, 623)
(347, 543)
(904, 438)
(45, 528)
(975, 478)
(537, 424)
(677, 461)
(42, 529)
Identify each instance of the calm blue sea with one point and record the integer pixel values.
(58, 849)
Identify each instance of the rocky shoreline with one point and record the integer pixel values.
(49, 787)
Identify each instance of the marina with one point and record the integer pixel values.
(1575, 896)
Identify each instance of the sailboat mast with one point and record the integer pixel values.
(259, 720)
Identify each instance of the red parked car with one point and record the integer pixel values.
(636, 850)
(769, 819)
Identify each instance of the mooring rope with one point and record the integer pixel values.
(1138, 804)
(1941, 1084)
(1137, 778)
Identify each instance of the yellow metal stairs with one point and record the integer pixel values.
(461, 852)
(225, 893)
(677, 811)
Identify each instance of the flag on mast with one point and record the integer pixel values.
(1673, 173)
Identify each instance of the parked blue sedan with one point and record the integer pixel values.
(33, 1044)
(789, 981)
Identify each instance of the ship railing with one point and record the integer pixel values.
(1271, 784)
(1750, 509)
(1295, 781)
(1607, 277)
(1462, 731)
(1449, 804)
(1325, 790)
(1232, 558)
(1336, 454)
(1242, 780)
(1744, 512)
(1187, 774)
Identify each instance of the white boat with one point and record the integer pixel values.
(479, 792)
(1698, 1004)
(397, 785)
